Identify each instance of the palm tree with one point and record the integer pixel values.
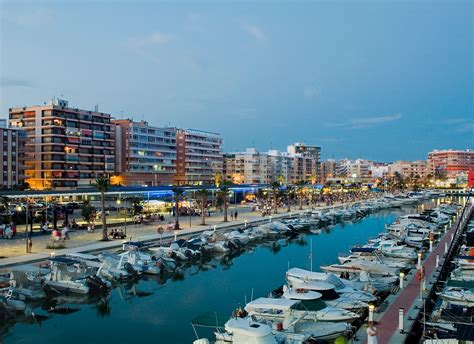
(223, 196)
(300, 187)
(103, 185)
(202, 195)
(178, 194)
(289, 194)
(275, 186)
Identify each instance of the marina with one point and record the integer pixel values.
(223, 279)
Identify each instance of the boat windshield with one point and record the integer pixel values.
(309, 305)
(329, 294)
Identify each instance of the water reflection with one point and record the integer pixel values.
(161, 307)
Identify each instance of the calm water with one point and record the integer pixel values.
(160, 311)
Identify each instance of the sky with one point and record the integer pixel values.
(381, 80)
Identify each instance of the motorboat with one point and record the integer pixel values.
(357, 266)
(459, 296)
(25, 282)
(296, 275)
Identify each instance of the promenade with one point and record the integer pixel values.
(81, 241)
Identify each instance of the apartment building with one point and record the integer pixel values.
(199, 157)
(409, 169)
(12, 154)
(288, 167)
(450, 163)
(65, 147)
(144, 154)
(359, 168)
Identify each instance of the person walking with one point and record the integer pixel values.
(30, 244)
(235, 215)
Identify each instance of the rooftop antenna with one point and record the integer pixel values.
(121, 114)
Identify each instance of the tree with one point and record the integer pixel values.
(103, 185)
(223, 196)
(275, 186)
(4, 202)
(289, 195)
(87, 211)
(137, 206)
(300, 186)
(178, 194)
(202, 196)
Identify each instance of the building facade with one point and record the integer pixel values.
(289, 167)
(65, 147)
(359, 168)
(312, 159)
(144, 154)
(12, 153)
(450, 163)
(199, 157)
(409, 169)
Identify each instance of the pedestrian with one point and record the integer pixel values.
(371, 334)
(30, 245)
(235, 215)
(231, 216)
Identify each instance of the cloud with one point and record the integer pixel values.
(467, 127)
(310, 92)
(365, 122)
(331, 139)
(254, 31)
(460, 124)
(12, 82)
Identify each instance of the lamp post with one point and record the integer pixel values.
(119, 201)
(371, 313)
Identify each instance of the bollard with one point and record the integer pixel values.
(445, 228)
(431, 245)
(437, 260)
(401, 317)
(445, 247)
(371, 313)
(402, 276)
(215, 228)
(452, 237)
(419, 260)
(246, 222)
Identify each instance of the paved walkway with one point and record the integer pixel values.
(82, 241)
(388, 322)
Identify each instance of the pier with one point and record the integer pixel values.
(397, 319)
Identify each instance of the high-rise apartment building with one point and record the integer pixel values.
(145, 155)
(301, 149)
(65, 147)
(198, 157)
(12, 153)
(450, 163)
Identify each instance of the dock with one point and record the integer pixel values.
(411, 300)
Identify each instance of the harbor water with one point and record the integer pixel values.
(157, 310)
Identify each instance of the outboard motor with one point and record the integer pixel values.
(129, 268)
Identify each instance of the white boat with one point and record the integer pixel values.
(25, 281)
(357, 266)
(459, 296)
(296, 275)
(245, 330)
(62, 279)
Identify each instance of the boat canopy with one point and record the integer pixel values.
(268, 303)
(306, 274)
(363, 249)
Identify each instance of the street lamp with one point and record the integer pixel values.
(19, 208)
(119, 201)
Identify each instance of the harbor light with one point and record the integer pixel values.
(431, 245)
(402, 276)
(419, 260)
(118, 201)
(371, 313)
(437, 260)
(18, 208)
(246, 222)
